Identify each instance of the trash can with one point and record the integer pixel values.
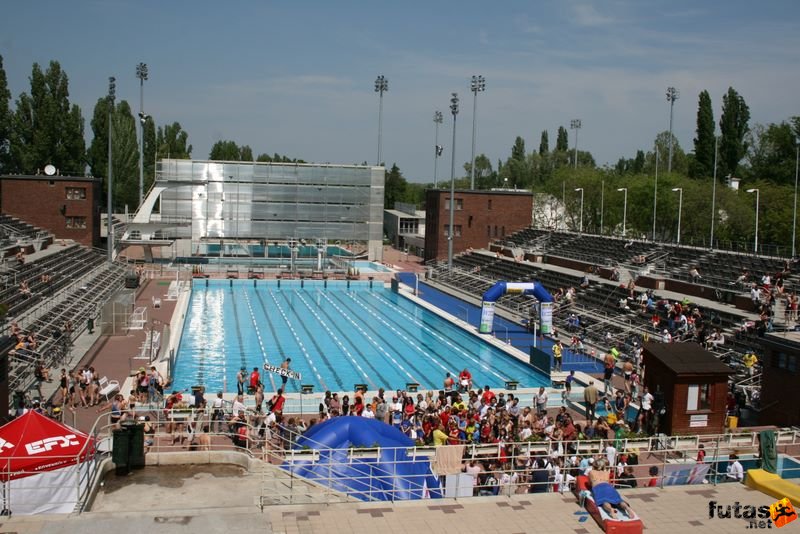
(731, 421)
(136, 445)
(120, 451)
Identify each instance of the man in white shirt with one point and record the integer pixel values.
(541, 400)
(735, 469)
(238, 405)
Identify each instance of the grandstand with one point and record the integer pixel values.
(613, 307)
(49, 289)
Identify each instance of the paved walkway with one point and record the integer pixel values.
(200, 499)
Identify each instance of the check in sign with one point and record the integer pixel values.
(288, 373)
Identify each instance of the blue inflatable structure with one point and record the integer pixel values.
(390, 475)
(501, 288)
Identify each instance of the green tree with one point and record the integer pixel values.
(395, 187)
(5, 121)
(771, 153)
(518, 150)
(149, 153)
(544, 144)
(125, 157)
(264, 158)
(704, 142)
(638, 162)
(225, 151)
(46, 129)
(172, 142)
(680, 162)
(562, 141)
(733, 127)
(246, 153)
(97, 155)
(484, 175)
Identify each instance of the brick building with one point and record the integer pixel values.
(67, 206)
(479, 218)
(690, 383)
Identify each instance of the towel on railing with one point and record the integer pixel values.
(448, 459)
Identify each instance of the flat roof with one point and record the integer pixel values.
(397, 213)
(44, 177)
(687, 358)
(522, 192)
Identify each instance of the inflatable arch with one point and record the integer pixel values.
(509, 288)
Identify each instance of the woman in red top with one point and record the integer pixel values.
(452, 434)
(358, 407)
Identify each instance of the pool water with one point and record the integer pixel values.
(370, 267)
(336, 335)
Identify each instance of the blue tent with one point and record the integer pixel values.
(389, 475)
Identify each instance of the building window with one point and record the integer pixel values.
(456, 230)
(458, 204)
(76, 193)
(699, 397)
(488, 231)
(76, 222)
(490, 203)
(503, 231)
(495, 230)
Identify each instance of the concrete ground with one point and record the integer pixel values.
(221, 498)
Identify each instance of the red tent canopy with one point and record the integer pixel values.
(33, 443)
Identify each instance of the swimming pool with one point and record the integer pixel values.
(336, 336)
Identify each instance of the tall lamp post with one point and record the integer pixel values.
(655, 197)
(450, 232)
(575, 124)
(624, 209)
(672, 95)
(755, 190)
(112, 94)
(679, 190)
(581, 218)
(438, 118)
(796, 167)
(714, 195)
(141, 73)
(381, 86)
(478, 85)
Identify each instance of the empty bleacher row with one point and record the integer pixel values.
(81, 303)
(44, 277)
(719, 269)
(17, 235)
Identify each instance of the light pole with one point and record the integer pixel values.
(141, 73)
(112, 94)
(450, 232)
(796, 167)
(679, 190)
(754, 190)
(672, 95)
(714, 195)
(478, 84)
(655, 197)
(575, 124)
(381, 86)
(581, 219)
(624, 209)
(438, 118)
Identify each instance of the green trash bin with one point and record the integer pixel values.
(136, 452)
(120, 450)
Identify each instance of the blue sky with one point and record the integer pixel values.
(297, 77)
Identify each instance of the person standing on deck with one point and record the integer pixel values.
(285, 377)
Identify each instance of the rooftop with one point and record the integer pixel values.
(687, 358)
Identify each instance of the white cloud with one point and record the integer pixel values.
(587, 15)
